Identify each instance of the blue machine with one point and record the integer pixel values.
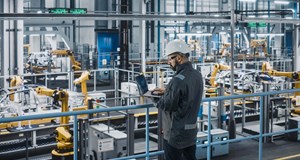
(107, 46)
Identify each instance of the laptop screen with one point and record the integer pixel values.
(142, 84)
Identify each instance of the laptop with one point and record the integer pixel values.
(143, 87)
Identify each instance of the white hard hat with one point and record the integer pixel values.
(177, 46)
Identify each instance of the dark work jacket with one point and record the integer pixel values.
(180, 106)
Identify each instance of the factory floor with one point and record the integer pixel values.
(281, 149)
(249, 150)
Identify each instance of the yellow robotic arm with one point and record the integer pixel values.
(213, 75)
(85, 76)
(266, 67)
(260, 43)
(63, 136)
(223, 50)
(57, 95)
(75, 64)
(15, 81)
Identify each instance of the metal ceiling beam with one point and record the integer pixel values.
(109, 16)
(138, 17)
(272, 20)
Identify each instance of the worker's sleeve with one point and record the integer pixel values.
(170, 100)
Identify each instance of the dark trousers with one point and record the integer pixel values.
(171, 153)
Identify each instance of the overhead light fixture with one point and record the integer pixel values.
(50, 35)
(252, 1)
(222, 32)
(169, 29)
(282, 2)
(251, 16)
(34, 35)
(194, 34)
(238, 32)
(267, 34)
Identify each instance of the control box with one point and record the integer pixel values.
(106, 143)
(216, 150)
(219, 135)
(201, 152)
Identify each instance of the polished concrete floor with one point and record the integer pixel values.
(249, 150)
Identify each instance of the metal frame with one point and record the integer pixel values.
(147, 106)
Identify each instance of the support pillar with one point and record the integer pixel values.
(143, 37)
(12, 42)
(296, 48)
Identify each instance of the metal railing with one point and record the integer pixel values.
(147, 106)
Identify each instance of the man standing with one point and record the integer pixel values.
(180, 103)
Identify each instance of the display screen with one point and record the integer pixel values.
(142, 84)
(68, 10)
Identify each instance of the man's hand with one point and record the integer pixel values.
(158, 91)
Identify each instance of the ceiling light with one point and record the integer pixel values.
(282, 2)
(50, 35)
(194, 34)
(248, 1)
(267, 34)
(169, 29)
(251, 16)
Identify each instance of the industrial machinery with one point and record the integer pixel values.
(259, 43)
(292, 75)
(76, 66)
(219, 135)
(15, 81)
(223, 52)
(64, 138)
(217, 67)
(37, 62)
(106, 142)
(85, 76)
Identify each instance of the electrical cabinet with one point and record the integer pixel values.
(106, 143)
(216, 150)
(219, 149)
(201, 152)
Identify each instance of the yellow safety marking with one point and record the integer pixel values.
(143, 114)
(288, 157)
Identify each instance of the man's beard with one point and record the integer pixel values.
(175, 65)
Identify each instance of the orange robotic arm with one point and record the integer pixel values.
(75, 64)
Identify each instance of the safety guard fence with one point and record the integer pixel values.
(147, 154)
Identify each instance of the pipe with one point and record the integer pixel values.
(124, 43)
(232, 126)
